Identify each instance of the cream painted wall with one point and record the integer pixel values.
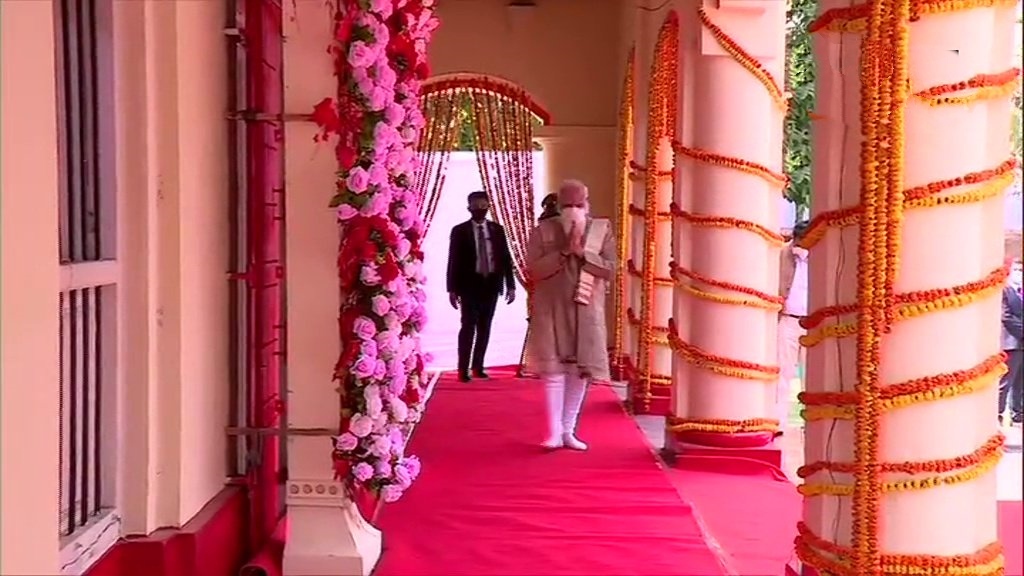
(29, 445)
(203, 210)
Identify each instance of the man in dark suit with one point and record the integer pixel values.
(479, 270)
(1011, 386)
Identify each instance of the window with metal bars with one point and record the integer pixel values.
(89, 272)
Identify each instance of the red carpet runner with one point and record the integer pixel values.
(491, 502)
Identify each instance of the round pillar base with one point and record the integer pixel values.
(730, 440)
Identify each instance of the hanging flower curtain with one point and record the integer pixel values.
(435, 146)
(504, 151)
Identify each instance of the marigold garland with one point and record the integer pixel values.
(910, 305)
(854, 18)
(746, 166)
(885, 90)
(991, 183)
(812, 549)
(740, 369)
(625, 224)
(984, 86)
(720, 426)
(661, 123)
(746, 60)
(772, 237)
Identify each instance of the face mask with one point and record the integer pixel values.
(1016, 277)
(800, 252)
(478, 213)
(572, 215)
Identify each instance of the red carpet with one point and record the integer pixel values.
(491, 502)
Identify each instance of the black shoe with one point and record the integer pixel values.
(464, 377)
(480, 374)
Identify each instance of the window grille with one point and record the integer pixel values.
(89, 270)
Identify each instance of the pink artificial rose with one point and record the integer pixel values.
(418, 318)
(382, 7)
(391, 493)
(357, 180)
(360, 425)
(369, 275)
(361, 55)
(362, 472)
(346, 212)
(381, 446)
(364, 328)
(402, 309)
(346, 442)
(412, 464)
(387, 341)
(393, 322)
(369, 348)
(378, 175)
(394, 114)
(378, 205)
(377, 99)
(403, 247)
(380, 369)
(365, 86)
(402, 476)
(364, 366)
(374, 403)
(384, 134)
(409, 134)
(399, 381)
(380, 305)
(399, 410)
(382, 469)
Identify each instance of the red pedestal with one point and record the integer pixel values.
(660, 401)
(770, 453)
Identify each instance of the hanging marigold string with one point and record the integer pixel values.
(885, 92)
(434, 149)
(504, 149)
(624, 153)
(661, 124)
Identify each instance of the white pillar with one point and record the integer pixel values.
(327, 536)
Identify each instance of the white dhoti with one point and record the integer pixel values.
(789, 334)
(565, 395)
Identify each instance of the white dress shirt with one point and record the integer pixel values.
(487, 251)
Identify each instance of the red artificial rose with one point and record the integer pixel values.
(412, 395)
(389, 269)
(423, 70)
(325, 116)
(367, 251)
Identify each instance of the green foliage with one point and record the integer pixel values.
(800, 75)
(1015, 127)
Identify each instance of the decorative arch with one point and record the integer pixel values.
(658, 178)
(623, 223)
(503, 116)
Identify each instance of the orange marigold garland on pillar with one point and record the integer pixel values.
(885, 91)
(718, 291)
(661, 123)
(622, 201)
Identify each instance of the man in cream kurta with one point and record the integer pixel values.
(571, 260)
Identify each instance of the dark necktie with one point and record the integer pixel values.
(483, 263)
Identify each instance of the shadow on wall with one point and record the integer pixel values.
(439, 336)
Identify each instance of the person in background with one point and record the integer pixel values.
(550, 207)
(479, 270)
(793, 290)
(571, 259)
(1011, 385)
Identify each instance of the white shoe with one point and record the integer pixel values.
(575, 391)
(554, 388)
(573, 443)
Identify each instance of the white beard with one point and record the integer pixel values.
(572, 215)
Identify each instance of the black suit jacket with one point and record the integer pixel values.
(462, 277)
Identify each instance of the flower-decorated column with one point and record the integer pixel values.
(906, 271)
(651, 383)
(355, 267)
(732, 160)
(621, 345)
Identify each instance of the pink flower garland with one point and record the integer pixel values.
(379, 53)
